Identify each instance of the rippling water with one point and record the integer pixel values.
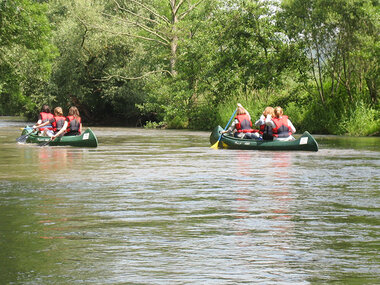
(161, 207)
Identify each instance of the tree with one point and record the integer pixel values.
(340, 39)
(88, 57)
(25, 55)
(245, 52)
(154, 21)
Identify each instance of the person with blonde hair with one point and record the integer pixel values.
(264, 130)
(72, 125)
(241, 127)
(282, 127)
(58, 123)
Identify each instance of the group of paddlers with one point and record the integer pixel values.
(272, 125)
(56, 125)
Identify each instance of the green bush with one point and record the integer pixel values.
(151, 125)
(203, 116)
(362, 120)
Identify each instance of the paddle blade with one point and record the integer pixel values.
(22, 138)
(215, 145)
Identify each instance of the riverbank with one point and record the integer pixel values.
(163, 125)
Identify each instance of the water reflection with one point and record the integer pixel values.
(263, 204)
(346, 142)
(281, 168)
(53, 159)
(53, 217)
(160, 207)
(243, 183)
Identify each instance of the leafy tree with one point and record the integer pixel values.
(113, 51)
(156, 21)
(25, 55)
(161, 28)
(340, 40)
(236, 54)
(85, 74)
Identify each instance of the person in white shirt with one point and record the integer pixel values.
(265, 130)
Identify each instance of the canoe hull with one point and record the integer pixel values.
(86, 139)
(305, 143)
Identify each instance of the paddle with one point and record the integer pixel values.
(45, 143)
(23, 137)
(215, 145)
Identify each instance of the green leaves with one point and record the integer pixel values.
(187, 63)
(25, 54)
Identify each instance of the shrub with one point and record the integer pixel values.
(362, 120)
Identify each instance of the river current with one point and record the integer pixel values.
(162, 207)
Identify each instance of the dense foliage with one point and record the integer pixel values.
(26, 55)
(185, 64)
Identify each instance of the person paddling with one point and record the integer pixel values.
(241, 127)
(58, 122)
(44, 116)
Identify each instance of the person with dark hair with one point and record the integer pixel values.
(58, 123)
(44, 116)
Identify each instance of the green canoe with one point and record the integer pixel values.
(86, 139)
(306, 142)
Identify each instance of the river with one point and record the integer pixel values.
(161, 207)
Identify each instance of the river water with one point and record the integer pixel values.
(161, 207)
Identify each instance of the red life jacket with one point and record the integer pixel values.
(58, 123)
(44, 118)
(244, 125)
(282, 129)
(73, 124)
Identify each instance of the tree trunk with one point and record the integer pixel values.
(173, 54)
(318, 82)
(371, 84)
(174, 38)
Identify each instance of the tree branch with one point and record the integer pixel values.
(184, 14)
(174, 7)
(142, 26)
(109, 77)
(142, 17)
(165, 43)
(138, 37)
